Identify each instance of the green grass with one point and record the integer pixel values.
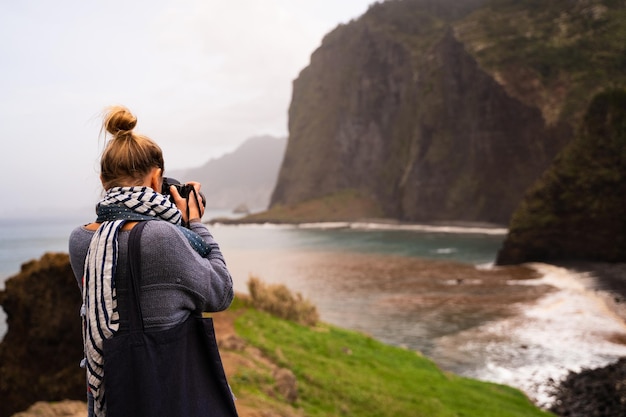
(343, 205)
(345, 373)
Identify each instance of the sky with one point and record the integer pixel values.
(202, 76)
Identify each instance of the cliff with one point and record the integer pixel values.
(576, 210)
(41, 352)
(444, 111)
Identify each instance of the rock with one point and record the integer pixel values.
(286, 384)
(41, 352)
(241, 209)
(231, 342)
(593, 393)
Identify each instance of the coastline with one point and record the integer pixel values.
(608, 281)
(602, 281)
(607, 277)
(368, 224)
(610, 276)
(597, 390)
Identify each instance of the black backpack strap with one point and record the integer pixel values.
(135, 315)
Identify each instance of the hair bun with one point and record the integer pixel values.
(119, 120)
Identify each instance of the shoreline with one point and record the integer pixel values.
(609, 282)
(549, 386)
(369, 224)
(590, 389)
(609, 276)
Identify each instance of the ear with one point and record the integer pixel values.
(156, 179)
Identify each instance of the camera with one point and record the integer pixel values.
(183, 189)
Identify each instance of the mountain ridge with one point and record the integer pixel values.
(244, 177)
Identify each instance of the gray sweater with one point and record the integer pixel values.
(175, 279)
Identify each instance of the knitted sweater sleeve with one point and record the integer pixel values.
(179, 274)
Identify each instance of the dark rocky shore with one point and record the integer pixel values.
(593, 393)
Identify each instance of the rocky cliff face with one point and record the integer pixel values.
(40, 354)
(576, 210)
(394, 108)
(474, 147)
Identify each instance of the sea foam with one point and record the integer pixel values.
(568, 329)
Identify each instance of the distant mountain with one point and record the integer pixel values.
(245, 176)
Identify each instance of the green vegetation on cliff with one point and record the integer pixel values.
(576, 210)
(554, 55)
(345, 205)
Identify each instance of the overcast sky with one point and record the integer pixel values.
(202, 76)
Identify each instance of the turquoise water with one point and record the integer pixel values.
(474, 248)
(22, 240)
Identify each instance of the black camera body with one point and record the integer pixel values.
(183, 189)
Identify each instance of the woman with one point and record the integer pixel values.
(182, 269)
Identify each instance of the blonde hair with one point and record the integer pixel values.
(127, 157)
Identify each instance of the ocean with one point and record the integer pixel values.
(430, 289)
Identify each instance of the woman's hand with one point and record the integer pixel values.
(195, 209)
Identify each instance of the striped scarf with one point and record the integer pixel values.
(100, 313)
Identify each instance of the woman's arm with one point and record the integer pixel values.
(171, 266)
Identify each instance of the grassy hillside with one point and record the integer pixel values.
(336, 372)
